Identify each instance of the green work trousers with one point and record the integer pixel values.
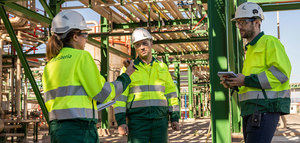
(145, 131)
(73, 131)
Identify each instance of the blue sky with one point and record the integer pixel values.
(289, 36)
(289, 32)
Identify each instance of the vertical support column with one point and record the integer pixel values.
(190, 88)
(197, 105)
(104, 65)
(177, 75)
(200, 110)
(1, 84)
(233, 62)
(18, 88)
(205, 104)
(25, 99)
(18, 85)
(166, 59)
(12, 82)
(220, 117)
(12, 86)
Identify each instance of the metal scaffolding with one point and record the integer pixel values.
(195, 38)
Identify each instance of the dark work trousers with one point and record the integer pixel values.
(73, 131)
(265, 132)
(148, 131)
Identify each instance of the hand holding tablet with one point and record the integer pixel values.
(229, 74)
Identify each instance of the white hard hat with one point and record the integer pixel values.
(67, 20)
(140, 34)
(248, 10)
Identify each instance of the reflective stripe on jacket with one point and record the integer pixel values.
(72, 84)
(151, 94)
(266, 58)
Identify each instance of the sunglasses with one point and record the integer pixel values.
(244, 21)
(144, 43)
(84, 35)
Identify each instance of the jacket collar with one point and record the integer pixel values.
(138, 60)
(254, 41)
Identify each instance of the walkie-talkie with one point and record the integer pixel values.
(256, 116)
(127, 63)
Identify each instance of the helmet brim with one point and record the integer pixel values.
(86, 29)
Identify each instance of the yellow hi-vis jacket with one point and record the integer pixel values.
(150, 95)
(266, 58)
(72, 84)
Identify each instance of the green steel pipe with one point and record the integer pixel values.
(24, 63)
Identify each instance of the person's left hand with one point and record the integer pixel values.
(238, 81)
(175, 126)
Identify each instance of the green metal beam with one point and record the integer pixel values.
(232, 56)
(184, 53)
(220, 113)
(27, 13)
(47, 8)
(24, 63)
(277, 5)
(156, 32)
(104, 27)
(55, 6)
(42, 55)
(174, 41)
(281, 7)
(156, 23)
(111, 49)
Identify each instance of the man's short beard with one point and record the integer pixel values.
(250, 33)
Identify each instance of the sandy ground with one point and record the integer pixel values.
(195, 131)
